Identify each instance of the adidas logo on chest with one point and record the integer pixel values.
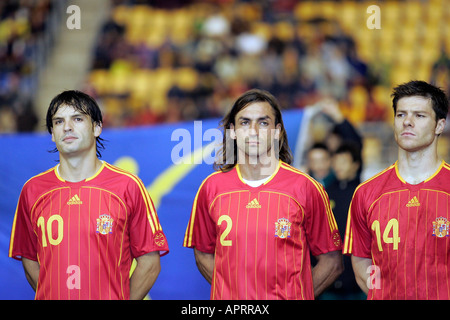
(74, 200)
(254, 204)
(414, 202)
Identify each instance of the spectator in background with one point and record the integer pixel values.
(342, 146)
(343, 130)
(346, 165)
(319, 164)
(440, 72)
(23, 44)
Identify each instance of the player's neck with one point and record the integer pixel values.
(75, 169)
(415, 167)
(258, 171)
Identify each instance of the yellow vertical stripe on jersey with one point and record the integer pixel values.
(151, 213)
(13, 230)
(331, 220)
(11, 241)
(348, 239)
(188, 234)
(332, 223)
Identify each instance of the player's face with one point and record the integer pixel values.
(73, 132)
(255, 129)
(415, 125)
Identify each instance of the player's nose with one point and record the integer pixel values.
(68, 126)
(408, 121)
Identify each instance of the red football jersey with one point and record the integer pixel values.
(262, 237)
(85, 234)
(405, 230)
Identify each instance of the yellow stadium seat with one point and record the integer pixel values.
(284, 30)
(163, 80)
(350, 16)
(98, 78)
(400, 74)
(262, 29)
(140, 15)
(141, 83)
(413, 11)
(249, 11)
(305, 10)
(382, 95)
(154, 38)
(119, 83)
(186, 78)
(358, 98)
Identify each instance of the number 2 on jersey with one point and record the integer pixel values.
(224, 242)
(391, 225)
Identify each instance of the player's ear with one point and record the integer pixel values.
(97, 129)
(440, 125)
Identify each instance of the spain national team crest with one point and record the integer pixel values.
(160, 239)
(283, 228)
(104, 224)
(441, 227)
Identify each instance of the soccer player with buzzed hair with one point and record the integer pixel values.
(256, 221)
(398, 228)
(79, 225)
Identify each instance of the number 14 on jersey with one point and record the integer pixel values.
(390, 233)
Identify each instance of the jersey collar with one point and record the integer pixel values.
(88, 179)
(266, 182)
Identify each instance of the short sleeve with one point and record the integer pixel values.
(146, 234)
(321, 227)
(201, 229)
(23, 241)
(357, 236)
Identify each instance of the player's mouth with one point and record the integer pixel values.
(407, 134)
(69, 138)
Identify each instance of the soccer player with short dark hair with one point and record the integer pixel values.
(256, 221)
(398, 229)
(79, 225)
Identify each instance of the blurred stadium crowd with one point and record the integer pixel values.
(25, 41)
(168, 61)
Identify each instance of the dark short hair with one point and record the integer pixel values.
(81, 102)
(439, 100)
(248, 97)
(320, 146)
(352, 149)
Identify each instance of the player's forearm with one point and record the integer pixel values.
(144, 276)
(31, 269)
(360, 266)
(328, 268)
(205, 264)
